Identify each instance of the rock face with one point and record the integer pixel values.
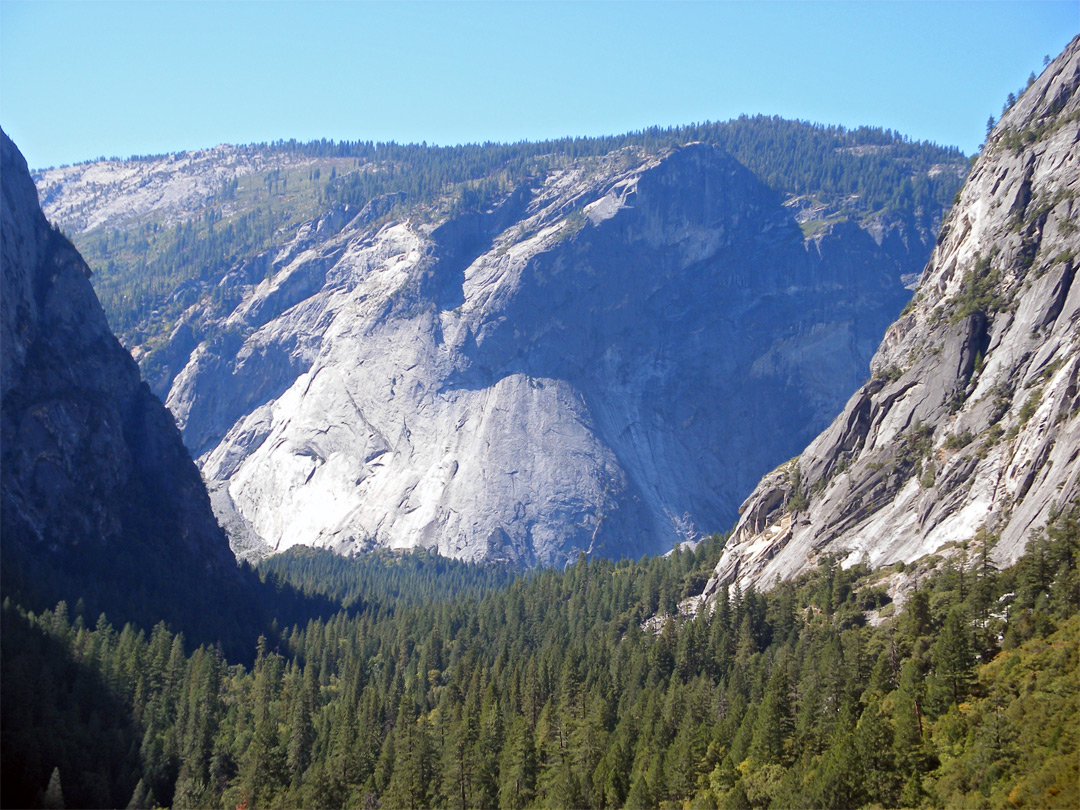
(972, 417)
(95, 478)
(605, 362)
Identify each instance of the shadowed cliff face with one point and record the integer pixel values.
(605, 362)
(972, 420)
(97, 487)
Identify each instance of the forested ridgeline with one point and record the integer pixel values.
(148, 272)
(383, 581)
(881, 169)
(580, 688)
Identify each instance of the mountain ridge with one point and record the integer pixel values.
(829, 172)
(969, 428)
(524, 291)
(558, 345)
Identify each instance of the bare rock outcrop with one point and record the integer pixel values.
(972, 418)
(581, 367)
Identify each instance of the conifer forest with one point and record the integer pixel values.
(431, 683)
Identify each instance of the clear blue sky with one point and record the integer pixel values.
(79, 80)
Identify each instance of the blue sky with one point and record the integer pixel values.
(79, 80)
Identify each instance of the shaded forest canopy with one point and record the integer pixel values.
(580, 688)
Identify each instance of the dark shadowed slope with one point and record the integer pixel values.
(101, 501)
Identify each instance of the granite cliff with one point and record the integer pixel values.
(604, 363)
(100, 499)
(604, 356)
(969, 429)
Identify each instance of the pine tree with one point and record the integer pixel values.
(142, 798)
(874, 745)
(517, 769)
(841, 783)
(301, 728)
(54, 794)
(774, 721)
(410, 785)
(952, 658)
(908, 731)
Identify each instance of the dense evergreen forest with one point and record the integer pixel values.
(147, 273)
(441, 684)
